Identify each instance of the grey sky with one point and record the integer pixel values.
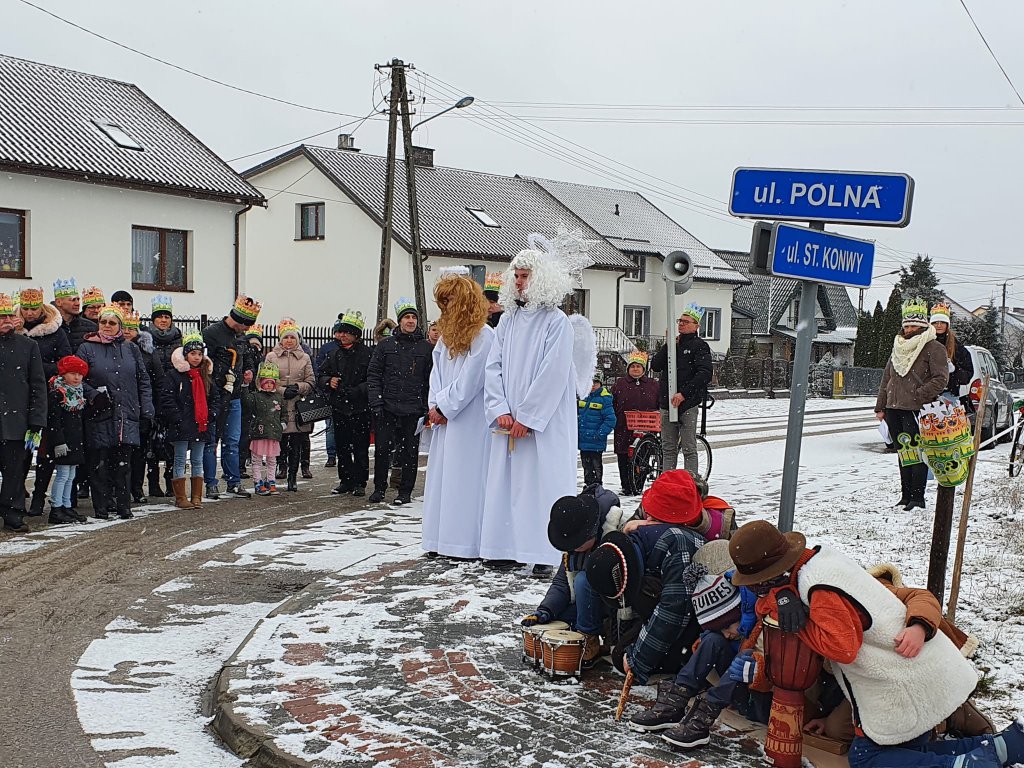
(818, 53)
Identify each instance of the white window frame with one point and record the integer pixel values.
(118, 135)
(483, 218)
(712, 316)
(640, 274)
(645, 313)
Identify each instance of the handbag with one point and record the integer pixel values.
(312, 407)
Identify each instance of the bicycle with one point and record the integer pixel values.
(645, 448)
(1017, 449)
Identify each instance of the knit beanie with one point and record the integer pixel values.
(716, 602)
(122, 296)
(245, 311)
(673, 498)
(72, 364)
(192, 342)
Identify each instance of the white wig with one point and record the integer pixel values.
(555, 269)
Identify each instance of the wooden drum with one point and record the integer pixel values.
(792, 667)
(562, 652)
(531, 639)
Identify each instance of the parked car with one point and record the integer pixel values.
(999, 406)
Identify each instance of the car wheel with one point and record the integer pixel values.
(1008, 437)
(987, 430)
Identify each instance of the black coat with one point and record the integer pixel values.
(177, 405)
(48, 332)
(963, 373)
(165, 342)
(351, 366)
(119, 366)
(398, 378)
(230, 352)
(693, 367)
(151, 358)
(65, 427)
(78, 329)
(22, 387)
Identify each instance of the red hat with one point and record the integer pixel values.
(673, 498)
(72, 364)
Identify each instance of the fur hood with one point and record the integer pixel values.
(145, 342)
(50, 324)
(181, 364)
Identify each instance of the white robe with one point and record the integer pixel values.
(530, 374)
(457, 464)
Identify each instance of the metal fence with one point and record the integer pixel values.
(759, 373)
(851, 381)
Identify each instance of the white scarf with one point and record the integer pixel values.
(905, 351)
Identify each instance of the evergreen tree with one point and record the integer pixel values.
(990, 321)
(865, 339)
(888, 326)
(919, 279)
(876, 327)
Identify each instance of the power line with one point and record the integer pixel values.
(990, 51)
(300, 140)
(180, 68)
(714, 121)
(558, 105)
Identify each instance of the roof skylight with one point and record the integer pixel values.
(118, 135)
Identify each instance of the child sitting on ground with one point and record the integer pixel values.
(265, 428)
(664, 502)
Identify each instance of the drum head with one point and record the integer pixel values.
(563, 636)
(550, 627)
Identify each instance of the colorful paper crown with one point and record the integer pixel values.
(493, 281)
(268, 370)
(161, 303)
(65, 289)
(636, 356)
(940, 313)
(694, 310)
(132, 321)
(287, 326)
(193, 340)
(6, 304)
(255, 330)
(354, 319)
(403, 306)
(113, 309)
(915, 310)
(246, 310)
(93, 296)
(30, 298)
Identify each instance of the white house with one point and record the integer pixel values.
(97, 182)
(315, 249)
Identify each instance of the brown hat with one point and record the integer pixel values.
(761, 552)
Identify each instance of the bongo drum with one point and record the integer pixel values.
(562, 652)
(531, 639)
(792, 667)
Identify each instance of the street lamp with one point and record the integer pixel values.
(860, 301)
(465, 101)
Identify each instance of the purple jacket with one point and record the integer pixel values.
(629, 394)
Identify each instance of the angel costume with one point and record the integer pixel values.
(531, 375)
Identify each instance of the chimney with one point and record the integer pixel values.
(347, 142)
(423, 157)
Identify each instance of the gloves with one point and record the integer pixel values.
(540, 616)
(743, 668)
(792, 612)
(61, 450)
(32, 439)
(101, 401)
(291, 391)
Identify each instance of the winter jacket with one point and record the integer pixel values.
(398, 379)
(963, 367)
(165, 343)
(23, 401)
(351, 366)
(48, 332)
(230, 353)
(324, 351)
(77, 329)
(596, 420)
(629, 394)
(119, 366)
(155, 369)
(267, 414)
(924, 382)
(178, 407)
(296, 368)
(694, 370)
(65, 425)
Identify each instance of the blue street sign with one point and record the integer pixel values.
(878, 199)
(824, 257)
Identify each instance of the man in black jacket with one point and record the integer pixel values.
(397, 383)
(23, 415)
(342, 375)
(693, 367)
(232, 368)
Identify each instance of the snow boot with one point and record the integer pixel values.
(197, 493)
(36, 507)
(292, 484)
(57, 516)
(155, 491)
(695, 730)
(667, 710)
(377, 497)
(1009, 744)
(181, 500)
(14, 522)
(591, 651)
(541, 571)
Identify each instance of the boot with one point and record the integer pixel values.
(695, 730)
(667, 710)
(36, 507)
(155, 491)
(292, 485)
(591, 649)
(14, 522)
(282, 472)
(181, 500)
(197, 493)
(57, 516)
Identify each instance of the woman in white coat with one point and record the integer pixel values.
(457, 466)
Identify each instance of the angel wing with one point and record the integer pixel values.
(584, 353)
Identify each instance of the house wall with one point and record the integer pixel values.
(81, 230)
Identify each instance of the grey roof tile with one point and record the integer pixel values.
(47, 126)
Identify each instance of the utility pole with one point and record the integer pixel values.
(414, 209)
(1002, 317)
(389, 191)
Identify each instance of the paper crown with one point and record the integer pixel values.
(915, 310)
(65, 289)
(493, 281)
(255, 330)
(286, 327)
(30, 298)
(246, 310)
(113, 309)
(636, 356)
(161, 303)
(6, 304)
(93, 296)
(694, 310)
(940, 313)
(354, 319)
(403, 306)
(458, 269)
(268, 370)
(193, 340)
(132, 321)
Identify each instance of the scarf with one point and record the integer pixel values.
(905, 351)
(199, 398)
(109, 339)
(72, 398)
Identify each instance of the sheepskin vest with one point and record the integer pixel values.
(894, 699)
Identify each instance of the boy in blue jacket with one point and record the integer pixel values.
(596, 416)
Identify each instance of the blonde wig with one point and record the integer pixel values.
(463, 312)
